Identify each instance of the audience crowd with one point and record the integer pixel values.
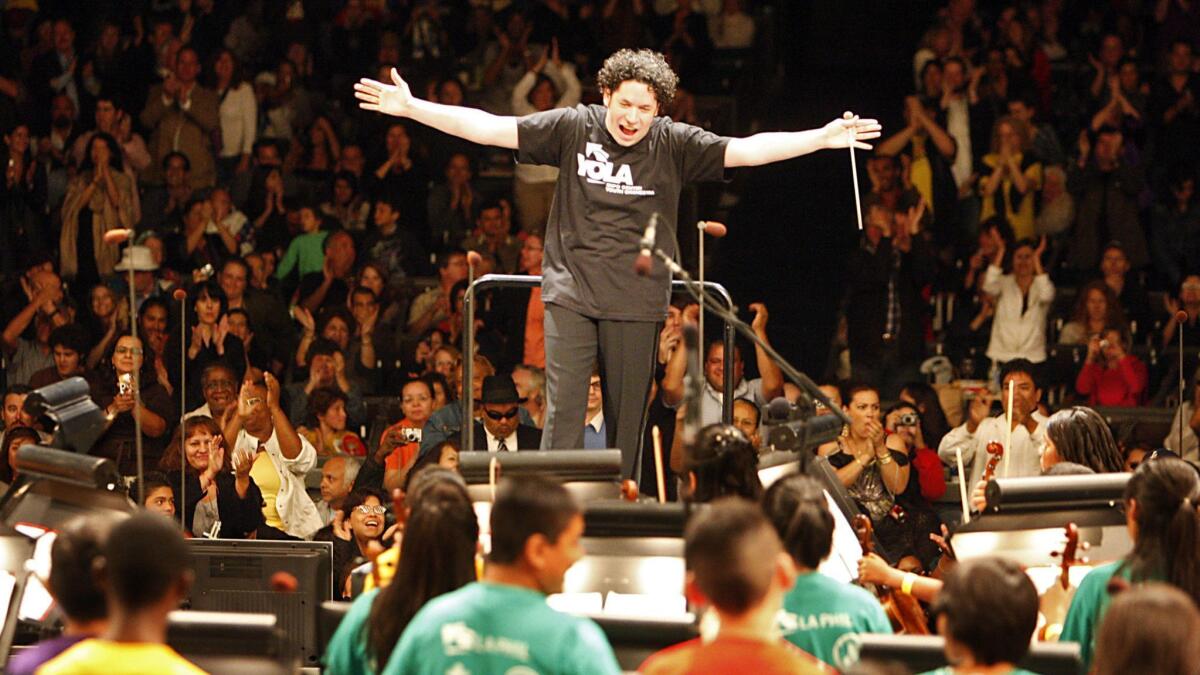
(291, 304)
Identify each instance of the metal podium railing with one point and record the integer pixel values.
(490, 281)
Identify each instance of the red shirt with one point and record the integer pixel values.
(733, 655)
(1122, 386)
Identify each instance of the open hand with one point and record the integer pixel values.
(838, 133)
(392, 99)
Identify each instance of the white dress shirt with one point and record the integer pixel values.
(1018, 334)
(1024, 458)
(493, 442)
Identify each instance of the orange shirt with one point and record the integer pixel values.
(403, 454)
(535, 334)
(733, 655)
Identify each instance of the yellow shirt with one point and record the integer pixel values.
(105, 657)
(267, 479)
(1018, 208)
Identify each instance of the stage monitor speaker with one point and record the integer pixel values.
(236, 575)
(587, 474)
(53, 486)
(232, 643)
(66, 410)
(634, 640)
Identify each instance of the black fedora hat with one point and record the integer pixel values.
(500, 389)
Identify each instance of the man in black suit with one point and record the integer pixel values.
(501, 429)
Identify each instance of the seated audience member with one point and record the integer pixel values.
(1160, 510)
(1028, 431)
(1111, 376)
(595, 433)
(432, 308)
(356, 532)
(535, 528)
(73, 587)
(1149, 629)
(145, 573)
(219, 384)
(338, 475)
(762, 390)
(305, 254)
(986, 613)
(722, 462)
(500, 429)
(69, 345)
(281, 459)
(330, 287)
(493, 237)
(347, 206)
(113, 390)
(1186, 421)
(14, 438)
(1023, 299)
(326, 369)
(441, 392)
(443, 455)
(926, 483)
(735, 564)
(1096, 311)
(392, 244)
(1134, 455)
(1188, 301)
(453, 205)
(155, 492)
(873, 466)
(436, 556)
(218, 493)
(1130, 292)
(924, 397)
(747, 417)
(446, 422)
(47, 310)
(818, 610)
(396, 444)
(325, 424)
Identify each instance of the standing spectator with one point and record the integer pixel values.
(1176, 232)
(22, 202)
(163, 210)
(347, 207)
(111, 119)
(1189, 301)
(547, 84)
(400, 176)
(113, 390)
(391, 245)
(1044, 145)
(99, 199)
(182, 114)
(1023, 299)
(1107, 189)
(1096, 311)
(331, 286)
(761, 390)
(926, 152)
(1175, 107)
(432, 308)
(208, 340)
(1130, 292)
(454, 205)
(46, 311)
(1111, 376)
(1010, 190)
(238, 115)
(60, 72)
(884, 306)
(493, 237)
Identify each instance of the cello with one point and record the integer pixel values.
(903, 610)
(1054, 603)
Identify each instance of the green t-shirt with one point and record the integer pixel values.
(1087, 611)
(347, 651)
(949, 670)
(494, 628)
(823, 616)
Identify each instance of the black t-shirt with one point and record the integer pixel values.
(604, 197)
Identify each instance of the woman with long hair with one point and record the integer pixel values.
(22, 201)
(934, 424)
(217, 487)
(1160, 503)
(722, 462)
(113, 389)
(325, 424)
(1080, 435)
(1012, 177)
(437, 555)
(1097, 309)
(238, 115)
(209, 339)
(99, 198)
(107, 316)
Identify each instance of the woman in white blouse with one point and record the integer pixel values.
(548, 84)
(1023, 299)
(239, 116)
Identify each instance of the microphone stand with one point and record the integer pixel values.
(137, 383)
(730, 317)
(468, 366)
(183, 346)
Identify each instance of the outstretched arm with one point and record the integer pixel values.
(775, 146)
(470, 124)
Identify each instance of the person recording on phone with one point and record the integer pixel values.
(113, 389)
(1112, 376)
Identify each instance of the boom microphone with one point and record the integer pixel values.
(713, 229)
(1181, 316)
(645, 261)
(473, 258)
(117, 236)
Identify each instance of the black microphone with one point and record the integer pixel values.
(645, 261)
(779, 410)
(798, 435)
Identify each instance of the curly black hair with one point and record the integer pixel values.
(643, 65)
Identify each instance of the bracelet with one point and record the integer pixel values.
(907, 584)
(884, 460)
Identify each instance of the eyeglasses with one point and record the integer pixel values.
(212, 385)
(368, 510)
(501, 415)
(594, 385)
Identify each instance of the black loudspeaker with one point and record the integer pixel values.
(232, 643)
(67, 408)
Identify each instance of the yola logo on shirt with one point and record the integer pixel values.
(593, 163)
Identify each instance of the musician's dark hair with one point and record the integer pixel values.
(526, 506)
(797, 509)
(1167, 494)
(731, 549)
(991, 608)
(79, 542)
(724, 462)
(1081, 435)
(1021, 366)
(1150, 628)
(643, 65)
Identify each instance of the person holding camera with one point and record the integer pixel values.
(1111, 376)
(400, 443)
(113, 389)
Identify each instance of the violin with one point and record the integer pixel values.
(1053, 604)
(629, 490)
(996, 452)
(903, 610)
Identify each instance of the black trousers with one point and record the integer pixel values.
(625, 352)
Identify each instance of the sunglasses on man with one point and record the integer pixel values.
(501, 415)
